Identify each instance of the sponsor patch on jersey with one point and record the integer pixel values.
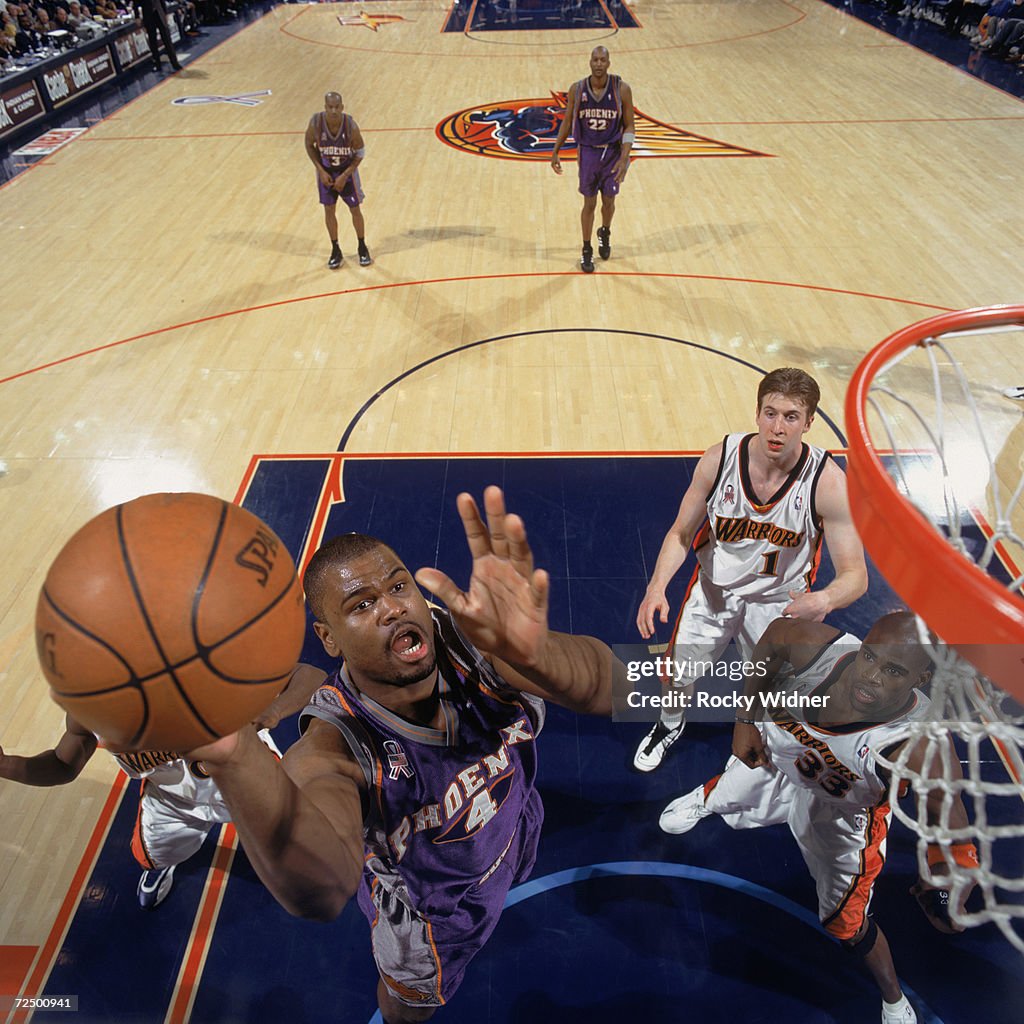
(526, 130)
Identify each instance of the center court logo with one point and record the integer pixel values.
(242, 99)
(526, 130)
(370, 21)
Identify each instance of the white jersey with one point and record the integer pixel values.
(185, 782)
(837, 764)
(757, 548)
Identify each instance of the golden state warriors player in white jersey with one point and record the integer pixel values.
(178, 801)
(805, 754)
(762, 503)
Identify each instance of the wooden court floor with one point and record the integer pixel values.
(168, 312)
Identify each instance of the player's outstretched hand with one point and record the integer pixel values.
(748, 746)
(654, 601)
(505, 610)
(556, 165)
(934, 902)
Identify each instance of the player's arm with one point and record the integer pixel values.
(693, 509)
(313, 152)
(564, 129)
(56, 767)
(844, 547)
(504, 613)
(628, 132)
(358, 152)
(302, 684)
(300, 820)
(787, 644)
(943, 807)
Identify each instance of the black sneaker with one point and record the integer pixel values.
(335, 261)
(587, 258)
(364, 256)
(604, 242)
(154, 885)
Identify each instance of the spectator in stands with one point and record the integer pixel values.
(961, 14)
(27, 38)
(999, 10)
(1008, 35)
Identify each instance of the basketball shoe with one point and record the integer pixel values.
(604, 242)
(364, 255)
(1014, 392)
(587, 258)
(652, 747)
(898, 1013)
(335, 261)
(154, 886)
(682, 814)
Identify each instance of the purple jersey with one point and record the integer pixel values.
(597, 121)
(336, 151)
(445, 806)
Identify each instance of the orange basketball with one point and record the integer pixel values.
(169, 621)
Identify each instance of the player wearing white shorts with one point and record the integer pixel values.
(816, 770)
(178, 802)
(763, 502)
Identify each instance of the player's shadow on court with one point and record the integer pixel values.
(414, 238)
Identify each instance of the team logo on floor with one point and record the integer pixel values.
(526, 130)
(370, 21)
(242, 99)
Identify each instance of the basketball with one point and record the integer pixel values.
(169, 621)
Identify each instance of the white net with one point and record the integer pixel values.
(953, 444)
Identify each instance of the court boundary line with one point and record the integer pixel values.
(422, 282)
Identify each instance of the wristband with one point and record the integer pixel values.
(746, 721)
(628, 138)
(964, 854)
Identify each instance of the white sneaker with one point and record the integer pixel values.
(652, 747)
(898, 1013)
(154, 885)
(682, 814)
(1014, 392)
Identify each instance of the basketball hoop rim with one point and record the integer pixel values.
(958, 600)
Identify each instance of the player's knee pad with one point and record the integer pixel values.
(861, 948)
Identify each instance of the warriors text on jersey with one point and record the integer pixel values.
(445, 806)
(336, 151)
(760, 549)
(836, 763)
(598, 120)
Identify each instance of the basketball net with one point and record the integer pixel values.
(936, 477)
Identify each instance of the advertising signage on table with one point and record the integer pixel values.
(79, 74)
(132, 47)
(19, 106)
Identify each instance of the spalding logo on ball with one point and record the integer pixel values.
(169, 621)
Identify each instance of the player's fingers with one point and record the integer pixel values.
(494, 507)
(442, 587)
(477, 536)
(518, 546)
(540, 586)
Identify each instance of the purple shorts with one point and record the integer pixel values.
(597, 170)
(423, 960)
(351, 194)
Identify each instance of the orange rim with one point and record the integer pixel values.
(965, 606)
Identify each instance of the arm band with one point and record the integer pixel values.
(360, 153)
(964, 854)
(628, 138)
(746, 721)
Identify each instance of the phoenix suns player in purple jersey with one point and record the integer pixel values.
(335, 145)
(413, 782)
(599, 113)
